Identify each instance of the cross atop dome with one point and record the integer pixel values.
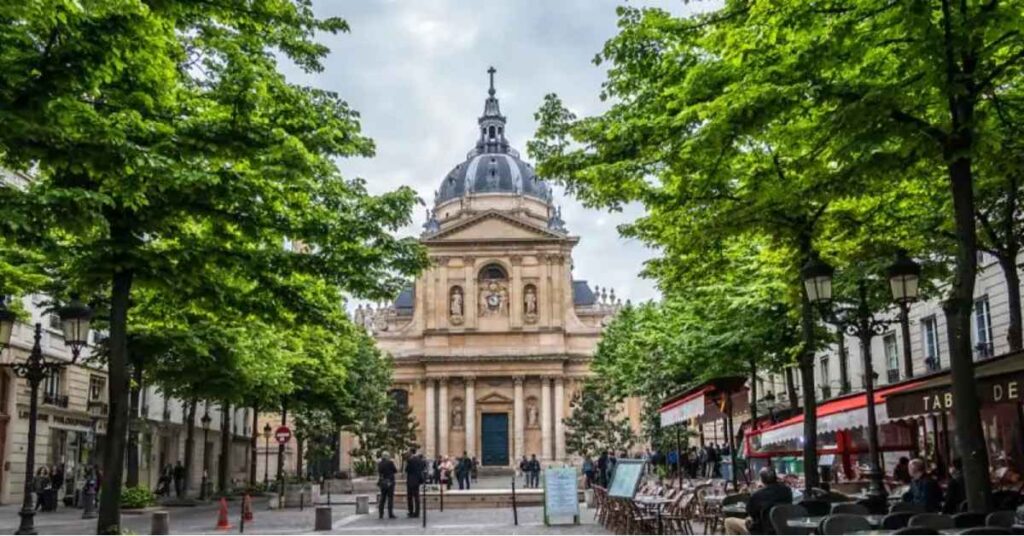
(491, 72)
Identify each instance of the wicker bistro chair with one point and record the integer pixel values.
(917, 530)
(987, 530)
(932, 521)
(1002, 518)
(968, 520)
(845, 524)
(850, 508)
(639, 520)
(678, 517)
(601, 505)
(897, 520)
(906, 507)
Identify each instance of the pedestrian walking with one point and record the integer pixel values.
(56, 483)
(588, 472)
(415, 471)
(386, 471)
(41, 485)
(179, 479)
(534, 469)
(462, 470)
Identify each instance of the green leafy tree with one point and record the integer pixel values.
(163, 139)
(596, 423)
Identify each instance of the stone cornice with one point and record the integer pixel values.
(543, 233)
(573, 358)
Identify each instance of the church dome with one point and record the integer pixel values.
(492, 166)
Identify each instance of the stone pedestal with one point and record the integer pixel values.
(323, 517)
(160, 523)
(362, 504)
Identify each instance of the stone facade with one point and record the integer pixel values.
(495, 332)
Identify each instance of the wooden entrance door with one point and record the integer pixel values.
(494, 438)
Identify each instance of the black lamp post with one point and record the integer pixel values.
(205, 420)
(267, 432)
(859, 321)
(74, 318)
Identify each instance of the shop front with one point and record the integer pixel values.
(1000, 386)
(842, 438)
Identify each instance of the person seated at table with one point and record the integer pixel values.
(955, 491)
(901, 473)
(924, 490)
(773, 493)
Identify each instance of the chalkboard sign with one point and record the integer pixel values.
(561, 495)
(626, 478)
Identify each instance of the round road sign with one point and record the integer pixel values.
(282, 434)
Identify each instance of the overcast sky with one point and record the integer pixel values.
(416, 71)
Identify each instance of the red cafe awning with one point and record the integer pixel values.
(704, 399)
(844, 413)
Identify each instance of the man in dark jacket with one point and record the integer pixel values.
(386, 471)
(533, 467)
(415, 468)
(924, 490)
(179, 479)
(773, 493)
(462, 469)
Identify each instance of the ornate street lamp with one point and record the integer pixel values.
(267, 432)
(205, 420)
(860, 322)
(74, 318)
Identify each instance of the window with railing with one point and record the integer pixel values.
(53, 389)
(892, 357)
(982, 329)
(826, 391)
(930, 343)
(824, 373)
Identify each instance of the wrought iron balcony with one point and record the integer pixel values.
(61, 401)
(97, 407)
(983, 350)
(826, 392)
(893, 375)
(931, 364)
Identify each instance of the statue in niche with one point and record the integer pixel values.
(457, 416)
(530, 304)
(456, 305)
(531, 416)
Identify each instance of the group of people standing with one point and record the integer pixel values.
(697, 462)
(171, 474)
(464, 469)
(49, 481)
(529, 470)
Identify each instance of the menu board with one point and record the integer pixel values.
(626, 478)
(561, 495)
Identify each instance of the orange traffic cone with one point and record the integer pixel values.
(247, 507)
(222, 517)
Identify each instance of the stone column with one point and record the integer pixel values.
(442, 414)
(469, 416)
(515, 293)
(470, 297)
(443, 305)
(545, 418)
(559, 414)
(520, 420)
(430, 447)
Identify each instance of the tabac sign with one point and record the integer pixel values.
(1000, 380)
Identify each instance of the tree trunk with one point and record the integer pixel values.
(224, 468)
(253, 446)
(1013, 331)
(969, 435)
(794, 402)
(844, 362)
(908, 359)
(190, 443)
(109, 518)
(810, 402)
(132, 451)
(299, 441)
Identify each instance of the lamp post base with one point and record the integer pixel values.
(27, 525)
(876, 489)
(89, 510)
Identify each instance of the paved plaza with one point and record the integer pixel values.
(203, 519)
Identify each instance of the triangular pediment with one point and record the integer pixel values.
(494, 398)
(492, 226)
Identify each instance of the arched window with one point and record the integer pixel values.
(493, 271)
(490, 131)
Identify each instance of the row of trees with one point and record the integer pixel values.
(170, 162)
(764, 133)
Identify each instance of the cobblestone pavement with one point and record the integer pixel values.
(202, 519)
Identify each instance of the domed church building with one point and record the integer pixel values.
(495, 337)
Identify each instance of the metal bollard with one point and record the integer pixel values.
(423, 508)
(160, 523)
(362, 504)
(323, 518)
(515, 511)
